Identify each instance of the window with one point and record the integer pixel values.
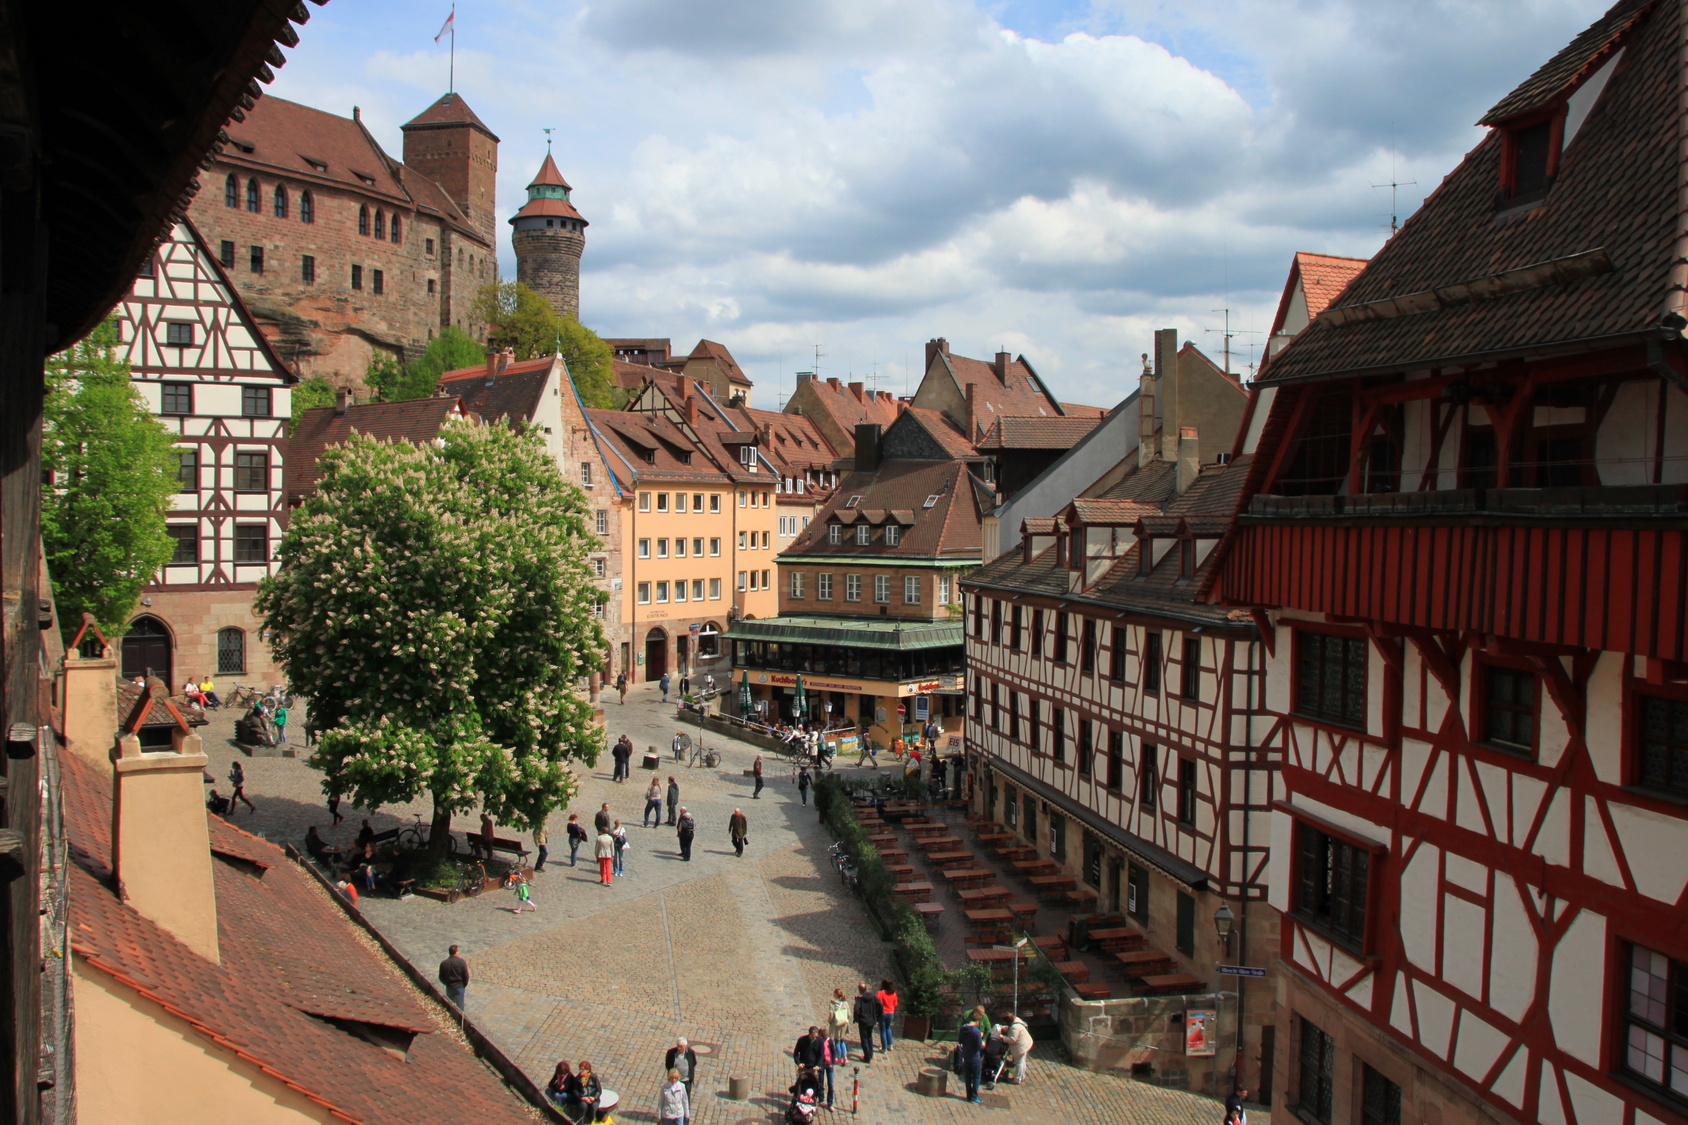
(1331, 678)
(714, 502)
(644, 501)
(1030, 825)
(357, 277)
(428, 247)
(661, 592)
(395, 230)
(680, 590)
(797, 584)
(363, 220)
(1057, 733)
(680, 547)
(1116, 654)
(255, 402)
(1315, 1073)
(1010, 806)
(1137, 892)
(743, 581)
(186, 536)
(1016, 627)
(1086, 748)
(586, 474)
(697, 547)
(743, 499)
(1148, 777)
(1013, 716)
(892, 533)
(1661, 740)
(823, 587)
(377, 281)
(1509, 708)
(679, 501)
(943, 597)
(280, 202)
(644, 593)
(1059, 655)
(1115, 777)
(1151, 674)
(1187, 792)
(1380, 1099)
(254, 198)
(231, 649)
(834, 534)
(764, 540)
(697, 590)
(852, 587)
(662, 548)
(251, 542)
(1527, 160)
(996, 621)
(1190, 674)
(1331, 882)
(307, 268)
(187, 470)
(644, 548)
(697, 502)
(662, 501)
(1037, 632)
(225, 253)
(864, 534)
(1655, 1016)
(307, 209)
(1087, 648)
(251, 472)
(911, 591)
(1058, 836)
(741, 536)
(602, 521)
(996, 706)
(178, 334)
(231, 191)
(715, 547)
(1092, 860)
(882, 589)
(177, 398)
(430, 287)
(1186, 932)
(255, 259)
(599, 568)
(715, 589)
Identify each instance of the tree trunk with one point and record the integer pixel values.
(439, 833)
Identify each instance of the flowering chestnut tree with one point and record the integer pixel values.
(435, 606)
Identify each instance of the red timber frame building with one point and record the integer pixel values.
(1465, 545)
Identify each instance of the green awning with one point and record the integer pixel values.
(885, 634)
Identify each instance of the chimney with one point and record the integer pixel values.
(833, 383)
(971, 417)
(491, 363)
(1189, 458)
(86, 698)
(160, 844)
(1166, 369)
(867, 446)
(1146, 414)
(689, 405)
(856, 389)
(804, 377)
(1000, 366)
(357, 113)
(934, 346)
(340, 397)
(505, 359)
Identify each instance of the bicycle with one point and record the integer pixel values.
(282, 694)
(701, 753)
(414, 837)
(472, 883)
(244, 695)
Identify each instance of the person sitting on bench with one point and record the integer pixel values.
(317, 848)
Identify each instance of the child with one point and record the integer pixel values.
(524, 897)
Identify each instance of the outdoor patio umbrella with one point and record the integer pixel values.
(800, 698)
(746, 703)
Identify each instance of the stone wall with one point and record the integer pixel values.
(1143, 1038)
(548, 262)
(194, 618)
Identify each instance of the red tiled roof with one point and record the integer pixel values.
(548, 174)
(552, 208)
(1324, 277)
(950, 528)
(415, 420)
(290, 966)
(451, 109)
(944, 431)
(709, 349)
(1021, 393)
(845, 409)
(514, 392)
(654, 448)
(1592, 260)
(1561, 74)
(1105, 511)
(1039, 433)
(1078, 410)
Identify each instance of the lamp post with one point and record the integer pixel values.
(1224, 922)
(1015, 949)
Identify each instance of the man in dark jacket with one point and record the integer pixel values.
(970, 1041)
(454, 975)
(681, 1057)
(687, 829)
(867, 1012)
(738, 831)
(673, 798)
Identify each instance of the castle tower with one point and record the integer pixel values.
(549, 236)
(447, 143)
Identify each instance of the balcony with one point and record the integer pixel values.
(1602, 503)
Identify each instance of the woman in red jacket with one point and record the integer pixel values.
(887, 996)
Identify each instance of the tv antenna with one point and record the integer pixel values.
(1394, 185)
(1228, 335)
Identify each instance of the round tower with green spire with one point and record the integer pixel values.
(549, 236)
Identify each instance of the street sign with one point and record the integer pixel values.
(1240, 971)
(922, 707)
(902, 710)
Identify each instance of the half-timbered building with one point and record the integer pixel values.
(205, 370)
(1465, 551)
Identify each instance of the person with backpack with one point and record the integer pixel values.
(867, 1012)
(804, 781)
(687, 829)
(838, 1026)
(577, 837)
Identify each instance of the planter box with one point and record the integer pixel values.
(917, 1027)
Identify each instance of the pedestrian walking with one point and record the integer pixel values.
(687, 829)
(663, 683)
(685, 684)
(970, 1041)
(454, 975)
(888, 1001)
(280, 720)
(679, 747)
(334, 809)
(673, 799)
(577, 837)
(756, 771)
(804, 781)
(621, 687)
(606, 857)
(673, 1101)
(524, 897)
(738, 831)
(867, 1013)
(1019, 1038)
(541, 842)
(601, 819)
(619, 835)
(683, 1059)
(653, 803)
(814, 1052)
(838, 1026)
(622, 752)
(1236, 1112)
(237, 778)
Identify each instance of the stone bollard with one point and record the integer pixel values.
(932, 1082)
(738, 1089)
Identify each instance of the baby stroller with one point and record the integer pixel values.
(996, 1059)
(805, 1097)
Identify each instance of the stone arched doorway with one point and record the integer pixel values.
(147, 650)
(656, 654)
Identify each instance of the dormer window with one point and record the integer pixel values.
(834, 533)
(892, 534)
(1145, 555)
(1530, 159)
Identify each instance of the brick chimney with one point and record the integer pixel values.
(1146, 449)
(160, 844)
(867, 447)
(934, 346)
(1000, 366)
(1166, 369)
(834, 384)
(1189, 458)
(341, 395)
(856, 389)
(86, 699)
(491, 363)
(689, 409)
(971, 416)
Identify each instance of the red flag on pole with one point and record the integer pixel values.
(446, 27)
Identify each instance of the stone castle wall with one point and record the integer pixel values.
(548, 262)
(194, 618)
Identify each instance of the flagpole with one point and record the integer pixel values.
(451, 81)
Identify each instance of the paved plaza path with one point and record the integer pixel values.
(737, 954)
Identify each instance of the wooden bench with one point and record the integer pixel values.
(947, 860)
(983, 896)
(929, 911)
(1036, 866)
(501, 845)
(1170, 984)
(985, 937)
(1054, 946)
(1018, 851)
(1023, 913)
(901, 870)
(1081, 899)
(943, 842)
(987, 916)
(1050, 884)
(1075, 971)
(1140, 962)
(959, 877)
(927, 831)
(914, 892)
(892, 855)
(1088, 991)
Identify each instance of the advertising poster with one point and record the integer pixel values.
(1200, 1024)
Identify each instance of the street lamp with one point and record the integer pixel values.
(1223, 922)
(1015, 949)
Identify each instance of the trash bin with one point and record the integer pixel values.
(652, 759)
(932, 1082)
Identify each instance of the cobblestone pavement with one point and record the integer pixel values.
(738, 954)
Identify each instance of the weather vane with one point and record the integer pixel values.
(547, 140)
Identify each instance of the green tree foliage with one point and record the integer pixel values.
(522, 320)
(308, 393)
(392, 380)
(450, 350)
(435, 604)
(113, 470)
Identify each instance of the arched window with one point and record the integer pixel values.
(380, 224)
(231, 191)
(280, 202)
(307, 211)
(395, 228)
(363, 220)
(231, 651)
(253, 198)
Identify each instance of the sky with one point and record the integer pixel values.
(1054, 178)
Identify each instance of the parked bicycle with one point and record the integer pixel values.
(244, 695)
(414, 837)
(709, 758)
(473, 881)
